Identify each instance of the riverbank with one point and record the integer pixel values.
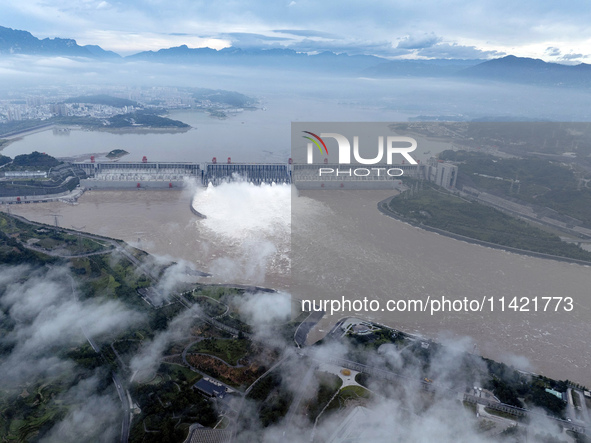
(384, 208)
(9, 137)
(141, 130)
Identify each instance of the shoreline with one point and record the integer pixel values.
(140, 130)
(195, 211)
(383, 208)
(18, 135)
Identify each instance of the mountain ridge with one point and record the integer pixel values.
(529, 70)
(14, 41)
(510, 68)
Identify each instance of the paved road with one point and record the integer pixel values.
(584, 408)
(237, 421)
(572, 410)
(219, 302)
(125, 401)
(112, 242)
(295, 404)
(392, 376)
(570, 407)
(92, 342)
(123, 395)
(62, 254)
(306, 326)
(184, 356)
(217, 358)
(116, 245)
(495, 418)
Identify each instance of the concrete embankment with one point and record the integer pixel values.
(27, 131)
(196, 212)
(384, 209)
(121, 185)
(68, 197)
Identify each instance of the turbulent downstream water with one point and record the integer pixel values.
(341, 245)
(231, 243)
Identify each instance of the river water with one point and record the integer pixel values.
(160, 222)
(339, 242)
(342, 246)
(252, 135)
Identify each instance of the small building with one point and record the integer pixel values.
(361, 329)
(560, 395)
(587, 394)
(210, 388)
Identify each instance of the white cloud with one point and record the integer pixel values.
(49, 316)
(488, 25)
(447, 50)
(418, 42)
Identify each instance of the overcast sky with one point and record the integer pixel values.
(402, 28)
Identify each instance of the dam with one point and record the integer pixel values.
(257, 173)
(161, 175)
(143, 175)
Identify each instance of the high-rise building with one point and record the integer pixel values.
(59, 109)
(446, 175)
(14, 114)
(443, 174)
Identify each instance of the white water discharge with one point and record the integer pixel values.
(251, 222)
(241, 210)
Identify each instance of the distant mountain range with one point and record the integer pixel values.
(419, 68)
(531, 71)
(23, 42)
(276, 57)
(506, 69)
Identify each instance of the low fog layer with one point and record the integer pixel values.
(48, 319)
(399, 411)
(394, 98)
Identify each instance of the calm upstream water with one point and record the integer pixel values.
(339, 241)
(252, 135)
